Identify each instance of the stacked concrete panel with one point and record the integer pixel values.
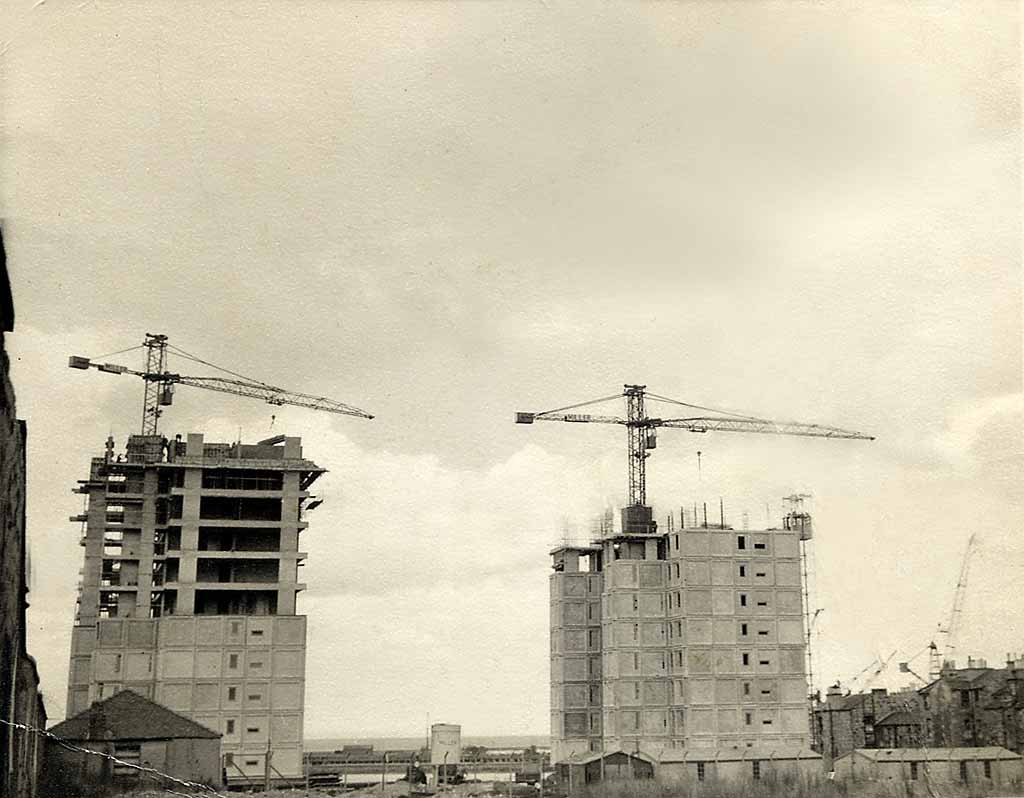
(634, 654)
(576, 588)
(189, 587)
(738, 646)
(702, 641)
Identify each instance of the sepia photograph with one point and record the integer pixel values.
(290, 291)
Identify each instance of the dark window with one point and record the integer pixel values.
(129, 754)
(757, 769)
(743, 599)
(700, 771)
(232, 693)
(748, 718)
(232, 660)
(746, 659)
(913, 770)
(988, 769)
(963, 772)
(743, 570)
(741, 542)
(965, 698)
(230, 727)
(241, 479)
(759, 546)
(743, 629)
(746, 688)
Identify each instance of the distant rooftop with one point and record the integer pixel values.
(130, 716)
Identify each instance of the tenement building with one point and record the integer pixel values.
(688, 639)
(21, 703)
(188, 590)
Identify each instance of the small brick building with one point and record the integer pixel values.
(129, 740)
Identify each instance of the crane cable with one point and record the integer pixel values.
(665, 399)
(188, 356)
(119, 352)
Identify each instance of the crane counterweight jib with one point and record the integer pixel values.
(160, 382)
(641, 428)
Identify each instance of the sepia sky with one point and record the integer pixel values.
(447, 212)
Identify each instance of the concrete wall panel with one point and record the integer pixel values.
(208, 664)
(289, 663)
(176, 664)
(177, 631)
(209, 631)
(698, 631)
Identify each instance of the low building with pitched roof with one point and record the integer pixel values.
(987, 765)
(739, 763)
(129, 741)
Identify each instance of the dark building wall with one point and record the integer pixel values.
(20, 702)
(986, 709)
(70, 773)
(973, 707)
(843, 723)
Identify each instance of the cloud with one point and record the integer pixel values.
(984, 443)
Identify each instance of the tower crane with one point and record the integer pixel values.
(641, 429)
(159, 384)
(952, 627)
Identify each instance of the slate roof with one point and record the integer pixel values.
(899, 718)
(595, 756)
(763, 752)
(129, 716)
(932, 754)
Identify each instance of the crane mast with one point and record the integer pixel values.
(640, 439)
(159, 385)
(154, 390)
(937, 658)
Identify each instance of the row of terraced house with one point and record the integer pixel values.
(974, 706)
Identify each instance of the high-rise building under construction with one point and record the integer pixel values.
(188, 590)
(692, 639)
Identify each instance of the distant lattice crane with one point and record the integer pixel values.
(938, 655)
(641, 429)
(159, 384)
